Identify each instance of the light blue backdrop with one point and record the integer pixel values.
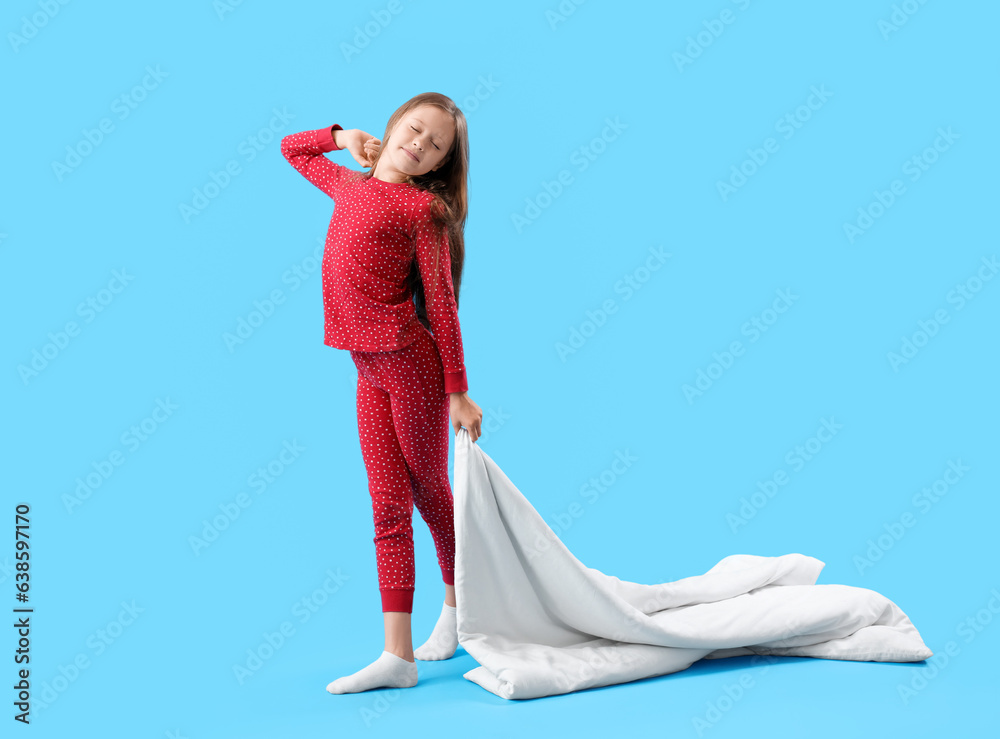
(650, 183)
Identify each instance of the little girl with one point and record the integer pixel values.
(392, 268)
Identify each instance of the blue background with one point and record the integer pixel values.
(538, 91)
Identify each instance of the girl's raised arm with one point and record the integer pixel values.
(304, 151)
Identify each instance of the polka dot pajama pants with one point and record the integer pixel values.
(403, 422)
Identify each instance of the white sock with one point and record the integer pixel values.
(388, 671)
(443, 640)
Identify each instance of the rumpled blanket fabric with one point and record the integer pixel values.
(539, 622)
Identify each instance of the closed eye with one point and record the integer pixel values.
(435, 145)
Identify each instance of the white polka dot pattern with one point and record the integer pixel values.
(403, 422)
(376, 231)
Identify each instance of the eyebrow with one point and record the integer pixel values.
(424, 124)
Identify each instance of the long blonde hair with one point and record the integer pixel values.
(448, 183)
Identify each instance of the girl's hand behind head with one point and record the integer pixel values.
(372, 146)
(363, 147)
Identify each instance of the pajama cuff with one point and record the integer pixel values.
(448, 576)
(325, 138)
(456, 382)
(397, 600)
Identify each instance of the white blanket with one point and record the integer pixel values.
(539, 622)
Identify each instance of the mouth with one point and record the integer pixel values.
(411, 155)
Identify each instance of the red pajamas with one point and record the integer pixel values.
(403, 421)
(405, 372)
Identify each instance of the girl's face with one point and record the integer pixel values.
(420, 141)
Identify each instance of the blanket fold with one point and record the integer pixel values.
(539, 622)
